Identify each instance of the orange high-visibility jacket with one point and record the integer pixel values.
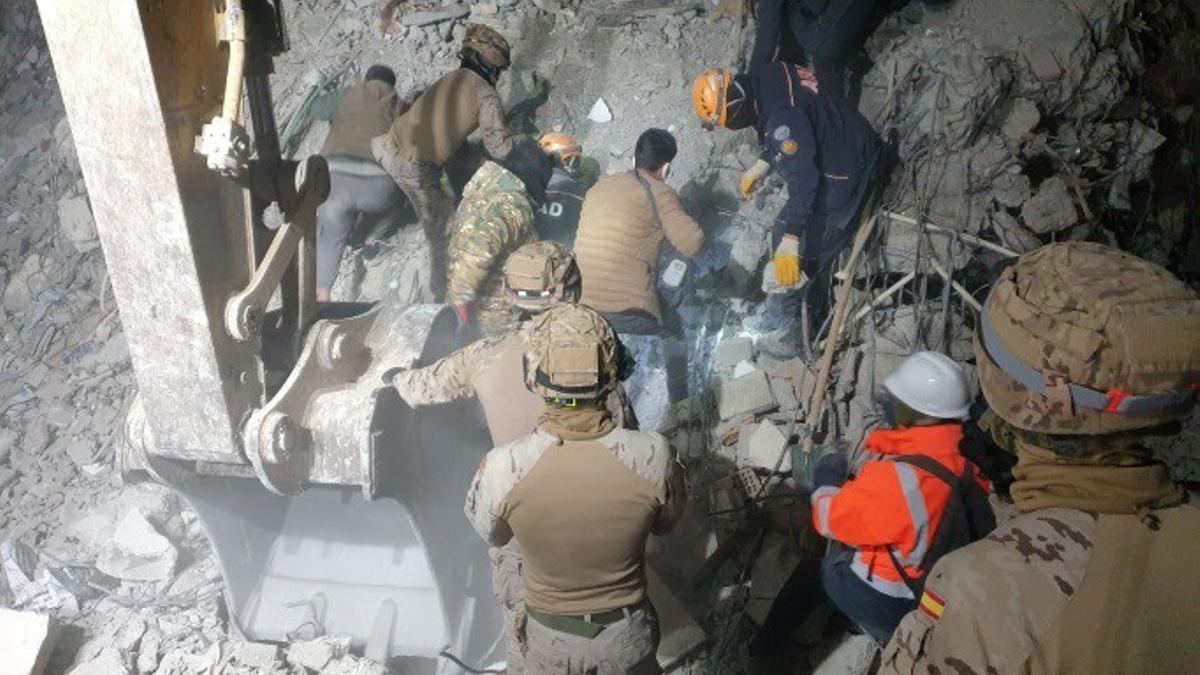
(892, 504)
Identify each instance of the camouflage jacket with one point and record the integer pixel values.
(1060, 590)
(492, 369)
(494, 219)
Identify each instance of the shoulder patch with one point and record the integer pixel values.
(932, 605)
(782, 132)
(789, 147)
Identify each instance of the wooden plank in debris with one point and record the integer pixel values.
(680, 634)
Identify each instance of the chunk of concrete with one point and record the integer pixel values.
(76, 223)
(762, 448)
(1051, 209)
(749, 394)
(26, 640)
(256, 655)
(316, 654)
(138, 552)
(600, 112)
(108, 662)
(1021, 120)
(731, 352)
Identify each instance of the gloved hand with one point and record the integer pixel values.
(787, 261)
(831, 470)
(464, 318)
(752, 177)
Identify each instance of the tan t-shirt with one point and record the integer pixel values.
(365, 111)
(581, 511)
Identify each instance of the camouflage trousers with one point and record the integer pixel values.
(509, 587)
(628, 646)
(422, 184)
(495, 316)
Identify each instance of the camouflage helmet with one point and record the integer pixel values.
(573, 354)
(487, 43)
(1082, 339)
(541, 274)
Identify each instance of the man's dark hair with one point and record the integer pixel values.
(381, 73)
(654, 148)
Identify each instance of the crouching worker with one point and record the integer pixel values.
(581, 496)
(918, 501)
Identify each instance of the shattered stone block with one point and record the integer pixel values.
(1021, 119)
(785, 393)
(76, 223)
(762, 446)
(138, 552)
(731, 352)
(748, 394)
(256, 654)
(108, 662)
(1051, 209)
(316, 654)
(26, 640)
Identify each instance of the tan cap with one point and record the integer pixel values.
(1079, 338)
(490, 44)
(541, 274)
(573, 354)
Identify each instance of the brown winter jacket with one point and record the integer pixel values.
(442, 117)
(366, 110)
(618, 242)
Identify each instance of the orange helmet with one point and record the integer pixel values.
(563, 146)
(710, 96)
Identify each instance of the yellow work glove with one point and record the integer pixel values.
(787, 261)
(752, 177)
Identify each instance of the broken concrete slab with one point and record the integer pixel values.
(316, 654)
(256, 655)
(600, 112)
(749, 394)
(732, 351)
(764, 445)
(1051, 209)
(1021, 119)
(108, 662)
(137, 551)
(26, 640)
(76, 223)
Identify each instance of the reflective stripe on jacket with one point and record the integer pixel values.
(892, 505)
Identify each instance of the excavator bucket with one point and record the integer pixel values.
(381, 551)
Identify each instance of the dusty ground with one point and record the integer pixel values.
(1011, 124)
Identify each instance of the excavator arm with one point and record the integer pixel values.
(332, 506)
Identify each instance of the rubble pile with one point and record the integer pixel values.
(1010, 120)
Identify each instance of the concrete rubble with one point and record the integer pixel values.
(1002, 116)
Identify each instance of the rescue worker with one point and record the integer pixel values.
(494, 219)
(422, 140)
(360, 191)
(624, 220)
(828, 155)
(581, 496)
(821, 33)
(1083, 352)
(558, 217)
(538, 276)
(885, 521)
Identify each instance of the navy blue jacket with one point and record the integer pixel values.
(818, 142)
(557, 219)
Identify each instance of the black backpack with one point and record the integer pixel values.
(968, 517)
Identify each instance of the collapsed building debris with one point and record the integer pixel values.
(1013, 127)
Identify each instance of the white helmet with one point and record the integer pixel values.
(932, 384)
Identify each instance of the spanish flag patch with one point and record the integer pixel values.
(932, 605)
